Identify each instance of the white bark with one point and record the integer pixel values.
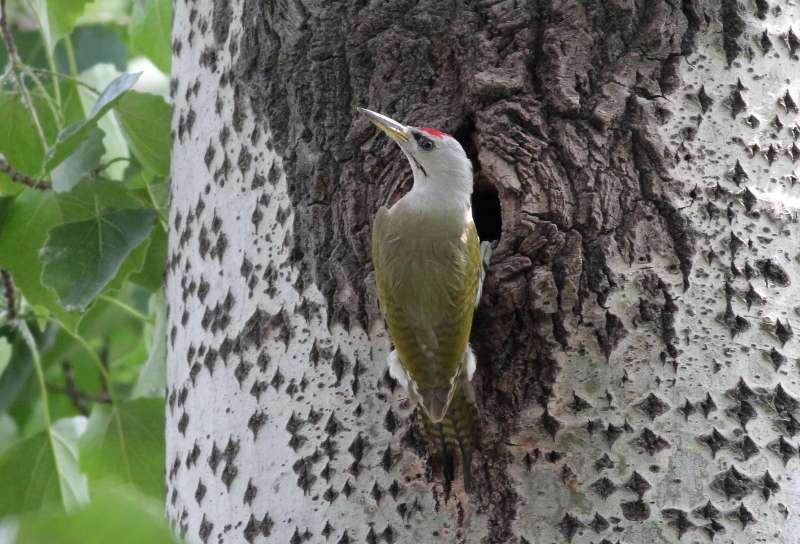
(280, 429)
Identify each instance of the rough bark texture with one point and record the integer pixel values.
(637, 375)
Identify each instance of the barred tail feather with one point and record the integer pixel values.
(458, 430)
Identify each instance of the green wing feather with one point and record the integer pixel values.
(427, 268)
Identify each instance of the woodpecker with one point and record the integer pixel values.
(429, 268)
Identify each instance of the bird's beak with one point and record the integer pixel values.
(396, 131)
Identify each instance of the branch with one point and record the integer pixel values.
(10, 292)
(19, 177)
(14, 61)
(78, 397)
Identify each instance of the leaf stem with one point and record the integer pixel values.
(128, 309)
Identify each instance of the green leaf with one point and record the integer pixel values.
(145, 121)
(152, 271)
(116, 514)
(25, 229)
(5, 354)
(80, 163)
(43, 469)
(19, 140)
(71, 137)
(151, 30)
(81, 258)
(153, 375)
(95, 44)
(128, 443)
(58, 17)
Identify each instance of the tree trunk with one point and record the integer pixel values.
(637, 371)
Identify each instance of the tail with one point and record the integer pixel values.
(458, 430)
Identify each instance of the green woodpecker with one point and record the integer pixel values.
(429, 268)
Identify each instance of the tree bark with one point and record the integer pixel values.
(637, 370)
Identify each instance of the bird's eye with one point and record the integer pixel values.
(426, 145)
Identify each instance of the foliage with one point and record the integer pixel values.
(84, 168)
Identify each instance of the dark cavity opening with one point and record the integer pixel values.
(486, 210)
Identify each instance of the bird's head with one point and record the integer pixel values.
(439, 163)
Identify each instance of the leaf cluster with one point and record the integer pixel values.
(84, 180)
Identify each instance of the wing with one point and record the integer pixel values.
(428, 271)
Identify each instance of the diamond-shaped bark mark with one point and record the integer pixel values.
(256, 421)
(738, 103)
(650, 442)
(550, 424)
(652, 406)
(678, 520)
(388, 458)
(783, 449)
(347, 489)
(742, 515)
(705, 101)
(753, 297)
(330, 495)
(745, 448)
(376, 492)
(205, 529)
(183, 422)
(787, 102)
(258, 387)
(390, 422)
(333, 426)
(781, 401)
(214, 458)
(687, 409)
(773, 273)
(210, 360)
(635, 510)
(707, 511)
(783, 330)
(603, 463)
(569, 526)
(327, 472)
(394, 489)
(768, 485)
(277, 380)
(339, 364)
(739, 174)
(792, 42)
(743, 412)
(250, 493)
(193, 455)
(252, 529)
(304, 468)
(241, 371)
(578, 404)
(296, 441)
(707, 405)
(794, 152)
(371, 537)
(388, 535)
(773, 152)
(345, 538)
(229, 475)
(357, 447)
(742, 391)
(603, 487)
(255, 329)
(327, 530)
(266, 525)
(200, 492)
(714, 440)
(612, 433)
(733, 484)
(637, 484)
(599, 523)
